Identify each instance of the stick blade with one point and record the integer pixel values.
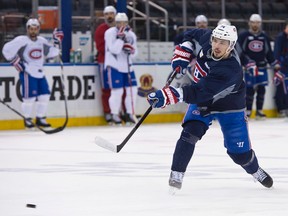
(105, 144)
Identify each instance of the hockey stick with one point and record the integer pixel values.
(35, 125)
(117, 148)
(130, 85)
(63, 89)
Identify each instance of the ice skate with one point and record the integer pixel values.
(260, 115)
(41, 122)
(131, 119)
(28, 123)
(116, 120)
(175, 181)
(263, 177)
(282, 114)
(108, 118)
(248, 113)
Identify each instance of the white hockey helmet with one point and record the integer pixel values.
(32, 22)
(121, 17)
(201, 18)
(226, 32)
(109, 9)
(224, 21)
(255, 18)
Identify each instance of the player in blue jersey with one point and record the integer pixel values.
(218, 94)
(255, 52)
(281, 76)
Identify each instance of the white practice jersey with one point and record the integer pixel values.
(32, 53)
(114, 55)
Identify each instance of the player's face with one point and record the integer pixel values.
(120, 24)
(109, 17)
(202, 25)
(219, 47)
(32, 32)
(255, 26)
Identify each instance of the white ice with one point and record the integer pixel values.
(67, 174)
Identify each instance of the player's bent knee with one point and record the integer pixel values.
(194, 129)
(189, 138)
(247, 160)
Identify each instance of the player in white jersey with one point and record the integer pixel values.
(27, 53)
(120, 49)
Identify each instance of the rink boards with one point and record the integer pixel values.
(83, 93)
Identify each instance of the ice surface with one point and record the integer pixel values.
(67, 174)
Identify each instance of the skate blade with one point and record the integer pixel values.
(173, 190)
(30, 129)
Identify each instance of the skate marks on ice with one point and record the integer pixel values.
(67, 174)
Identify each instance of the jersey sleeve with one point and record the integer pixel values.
(49, 50)
(269, 53)
(113, 44)
(277, 47)
(134, 44)
(195, 34)
(11, 48)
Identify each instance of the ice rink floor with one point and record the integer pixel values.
(67, 174)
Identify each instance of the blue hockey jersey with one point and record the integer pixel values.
(220, 86)
(255, 47)
(281, 51)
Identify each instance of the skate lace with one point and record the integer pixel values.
(260, 175)
(177, 176)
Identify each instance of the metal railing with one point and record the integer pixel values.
(154, 20)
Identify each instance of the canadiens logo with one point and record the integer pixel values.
(256, 46)
(196, 112)
(35, 54)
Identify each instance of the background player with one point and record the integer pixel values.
(109, 15)
(120, 48)
(255, 51)
(27, 53)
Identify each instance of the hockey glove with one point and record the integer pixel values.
(278, 78)
(182, 56)
(18, 64)
(166, 96)
(121, 33)
(251, 68)
(58, 36)
(128, 48)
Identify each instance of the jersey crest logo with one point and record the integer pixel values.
(256, 46)
(198, 73)
(35, 54)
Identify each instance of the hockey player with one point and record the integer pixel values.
(27, 54)
(224, 21)
(255, 51)
(201, 21)
(120, 48)
(109, 14)
(281, 76)
(219, 94)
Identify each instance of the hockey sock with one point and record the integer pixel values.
(249, 97)
(42, 105)
(130, 99)
(115, 100)
(183, 152)
(260, 97)
(27, 106)
(248, 161)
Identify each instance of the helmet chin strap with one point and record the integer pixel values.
(228, 50)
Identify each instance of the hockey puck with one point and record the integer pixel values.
(30, 205)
